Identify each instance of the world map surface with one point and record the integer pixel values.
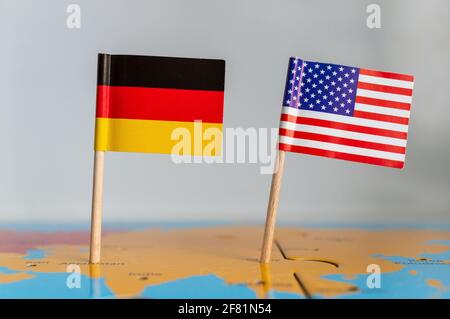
(221, 261)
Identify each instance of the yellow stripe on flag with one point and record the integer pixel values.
(166, 137)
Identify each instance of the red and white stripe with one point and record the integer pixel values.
(376, 134)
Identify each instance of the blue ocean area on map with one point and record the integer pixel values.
(410, 281)
(33, 254)
(55, 287)
(198, 287)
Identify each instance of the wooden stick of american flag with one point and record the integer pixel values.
(341, 112)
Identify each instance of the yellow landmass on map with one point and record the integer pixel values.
(133, 260)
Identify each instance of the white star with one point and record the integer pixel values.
(341, 69)
(353, 70)
(307, 90)
(305, 64)
(332, 93)
(315, 76)
(313, 95)
(325, 97)
(323, 107)
(336, 98)
(317, 101)
(319, 91)
(300, 94)
(317, 66)
(298, 104)
(314, 85)
(346, 75)
(294, 98)
(291, 81)
(327, 77)
(349, 101)
(335, 109)
(344, 94)
(306, 99)
(310, 70)
(347, 111)
(342, 104)
(320, 81)
(302, 84)
(322, 71)
(326, 87)
(299, 68)
(296, 88)
(351, 80)
(293, 71)
(308, 80)
(345, 85)
(334, 72)
(311, 106)
(350, 91)
(297, 78)
(287, 101)
(339, 79)
(338, 89)
(329, 67)
(333, 83)
(330, 103)
(290, 91)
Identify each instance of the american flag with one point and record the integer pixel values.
(346, 113)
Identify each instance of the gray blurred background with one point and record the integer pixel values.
(47, 102)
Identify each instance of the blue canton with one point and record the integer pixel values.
(321, 87)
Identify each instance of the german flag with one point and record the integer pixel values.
(142, 100)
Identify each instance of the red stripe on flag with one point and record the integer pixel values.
(340, 155)
(159, 104)
(385, 103)
(388, 75)
(343, 141)
(384, 88)
(344, 126)
(381, 117)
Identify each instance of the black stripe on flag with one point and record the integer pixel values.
(161, 72)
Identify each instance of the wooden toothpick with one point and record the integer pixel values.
(272, 208)
(97, 205)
